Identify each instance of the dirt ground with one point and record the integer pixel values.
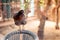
(49, 31)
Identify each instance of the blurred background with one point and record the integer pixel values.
(41, 15)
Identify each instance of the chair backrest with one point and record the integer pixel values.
(26, 35)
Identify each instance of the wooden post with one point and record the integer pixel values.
(57, 17)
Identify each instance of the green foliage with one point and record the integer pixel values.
(41, 2)
(27, 1)
(26, 4)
